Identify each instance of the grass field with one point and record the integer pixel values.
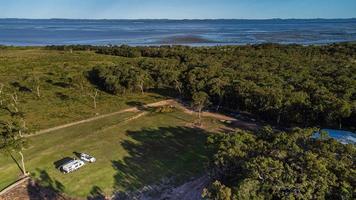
(62, 99)
(129, 154)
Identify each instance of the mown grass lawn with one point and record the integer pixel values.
(129, 154)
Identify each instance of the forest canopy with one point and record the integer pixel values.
(283, 84)
(280, 165)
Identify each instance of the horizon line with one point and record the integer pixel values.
(177, 19)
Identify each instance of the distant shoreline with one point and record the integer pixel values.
(157, 32)
(165, 45)
(197, 19)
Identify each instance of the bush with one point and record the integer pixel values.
(165, 109)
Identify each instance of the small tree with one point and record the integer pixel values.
(1, 88)
(79, 81)
(217, 191)
(217, 87)
(93, 94)
(1, 93)
(323, 134)
(15, 102)
(12, 140)
(344, 111)
(12, 133)
(175, 79)
(141, 79)
(340, 109)
(34, 80)
(200, 100)
(37, 85)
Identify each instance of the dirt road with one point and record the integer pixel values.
(235, 122)
(132, 109)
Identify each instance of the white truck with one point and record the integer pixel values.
(71, 166)
(87, 158)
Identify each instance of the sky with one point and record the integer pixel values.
(177, 9)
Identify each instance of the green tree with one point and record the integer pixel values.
(79, 80)
(2, 86)
(217, 191)
(175, 79)
(217, 87)
(141, 79)
(323, 134)
(341, 109)
(12, 140)
(35, 81)
(93, 94)
(200, 100)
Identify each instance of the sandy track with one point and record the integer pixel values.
(185, 108)
(132, 109)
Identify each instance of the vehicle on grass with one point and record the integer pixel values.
(71, 166)
(86, 157)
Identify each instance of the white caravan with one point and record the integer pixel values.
(71, 166)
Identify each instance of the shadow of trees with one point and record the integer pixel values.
(155, 154)
(96, 194)
(44, 187)
(139, 105)
(165, 91)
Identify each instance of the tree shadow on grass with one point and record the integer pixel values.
(96, 193)
(166, 92)
(139, 105)
(156, 154)
(44, 187)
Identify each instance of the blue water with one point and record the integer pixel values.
(345, 137)
(186, 32)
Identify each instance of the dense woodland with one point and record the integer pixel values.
(289, 85)
(280, 165)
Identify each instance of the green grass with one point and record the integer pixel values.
(129, 154)
(59, 104)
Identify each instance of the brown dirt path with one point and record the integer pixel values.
(187, 110)
(235, 123)
(132, 109)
